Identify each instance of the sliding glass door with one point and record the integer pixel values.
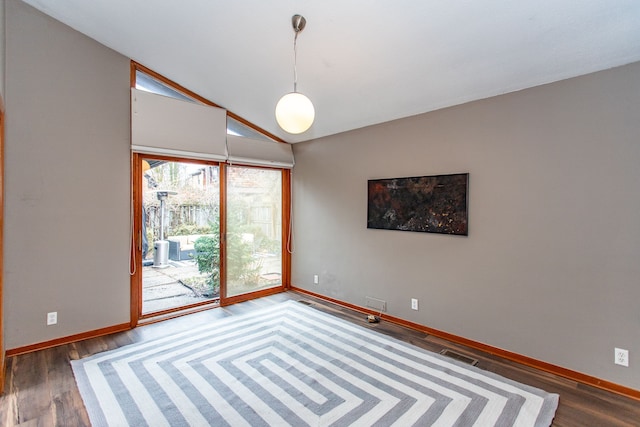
(206, 233)
(254, 230)
(180, 234)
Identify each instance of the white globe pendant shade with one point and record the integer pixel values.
(295, 113)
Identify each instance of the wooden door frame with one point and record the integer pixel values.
(285, 249)
(136, 240)
(136, 243)
(136, 314)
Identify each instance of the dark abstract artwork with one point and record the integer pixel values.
(431, 204)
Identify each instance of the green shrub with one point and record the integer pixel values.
(188, 229)
(241, 266)
(207, 257)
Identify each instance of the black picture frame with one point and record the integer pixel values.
(429, 204)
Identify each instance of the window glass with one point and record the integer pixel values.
(181, 234)
(149, 84)
(254, 229)
(234, 127)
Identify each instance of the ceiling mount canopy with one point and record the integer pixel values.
(298, 23)
(294, 111)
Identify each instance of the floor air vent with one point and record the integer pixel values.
(305, 302)
(460, 357)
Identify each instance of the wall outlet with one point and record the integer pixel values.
(414, 303)
(621, 357)
(316, 279)
(52, 318)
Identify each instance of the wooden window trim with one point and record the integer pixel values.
(139, 67)
(136, 196)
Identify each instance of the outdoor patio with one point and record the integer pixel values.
(178, 284)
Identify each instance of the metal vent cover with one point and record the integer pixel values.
(458, 356)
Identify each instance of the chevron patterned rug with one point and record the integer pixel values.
(290, 364)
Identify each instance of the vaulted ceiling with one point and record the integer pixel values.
(361, 62)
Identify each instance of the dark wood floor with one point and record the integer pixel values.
(41, 390)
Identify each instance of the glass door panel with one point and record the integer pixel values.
(254, 230)
(181, 234)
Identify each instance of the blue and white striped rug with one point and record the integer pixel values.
(290, 364)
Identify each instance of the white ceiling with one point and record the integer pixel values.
(361, 62)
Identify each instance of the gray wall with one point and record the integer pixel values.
(2, 62)
(550, 268)
(67, 180)
(2, 49)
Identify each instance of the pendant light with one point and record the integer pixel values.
(294, 111)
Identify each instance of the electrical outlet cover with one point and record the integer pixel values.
(621, 357)
(52, 318)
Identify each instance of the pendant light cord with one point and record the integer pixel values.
(295, 62)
